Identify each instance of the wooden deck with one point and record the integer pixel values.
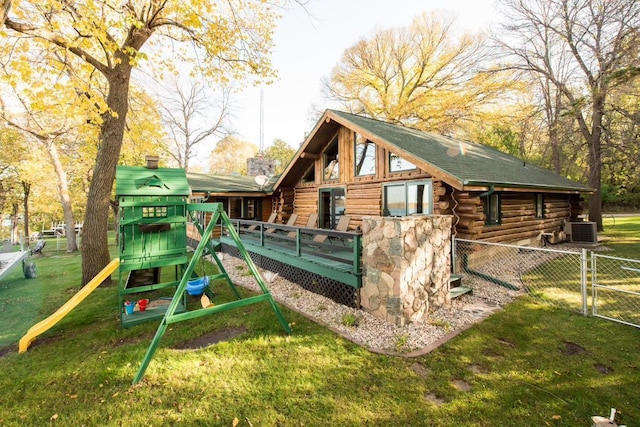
(337, 257)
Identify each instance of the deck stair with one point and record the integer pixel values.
(455, 287)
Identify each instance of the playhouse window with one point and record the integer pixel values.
(408, 198)
(154, 211)
(365, 158)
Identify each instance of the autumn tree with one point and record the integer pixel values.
(583, 49)
(230, 156)
(105, 39)
(621, 148)
(53, 131)
(191, 118)
(423, 75)
(281, 153)
(12, 148)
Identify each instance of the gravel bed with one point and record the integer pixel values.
(369, 331)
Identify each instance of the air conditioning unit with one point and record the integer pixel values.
(583, 232)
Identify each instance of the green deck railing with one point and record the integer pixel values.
(336, 255)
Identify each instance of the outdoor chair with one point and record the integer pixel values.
(37, 249)
(343, 225)
(312, 222)
(290, 222)
(272, 219)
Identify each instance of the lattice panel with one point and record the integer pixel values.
(336, 291)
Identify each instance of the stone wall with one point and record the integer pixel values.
(407, 264)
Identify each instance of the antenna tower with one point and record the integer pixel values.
(261, 148)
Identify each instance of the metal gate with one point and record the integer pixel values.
(615, 285)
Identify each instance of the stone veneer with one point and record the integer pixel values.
(406, 266)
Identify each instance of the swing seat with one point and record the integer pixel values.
(196, 287)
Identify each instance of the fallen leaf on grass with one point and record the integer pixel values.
(236, 421)
(115, 394)
(73, 396)
(53, 417)
(556, 417)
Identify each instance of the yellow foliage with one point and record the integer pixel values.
(424, 76)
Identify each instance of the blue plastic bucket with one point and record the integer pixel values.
(129, 306)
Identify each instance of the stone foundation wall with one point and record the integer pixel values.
(406, 266)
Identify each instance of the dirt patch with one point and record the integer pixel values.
(132, 340)
(603, 369)
(461, 385)
(477, 369)
(421, 370)
(4, 351)
(211, 338)
(572, 349)
(492, 354)
(433, 398)
(506, 343)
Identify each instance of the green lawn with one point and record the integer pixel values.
(528, 365)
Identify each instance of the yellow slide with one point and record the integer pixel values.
(47, 323)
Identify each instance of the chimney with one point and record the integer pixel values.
(152, 162)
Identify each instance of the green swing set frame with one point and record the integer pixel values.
(217, 216)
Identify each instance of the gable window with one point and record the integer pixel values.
(398, 164)
(407, 198)
(365, 156)
(539, 201)
(492, 209)
(331, 165)
(310, 176)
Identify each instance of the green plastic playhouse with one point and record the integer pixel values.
(152, 235)
(153, 216)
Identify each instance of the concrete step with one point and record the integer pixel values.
(459, 290)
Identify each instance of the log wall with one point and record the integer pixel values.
(518, 216)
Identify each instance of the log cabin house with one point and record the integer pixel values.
(389, 177)
(357, 166)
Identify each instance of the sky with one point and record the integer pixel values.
(308, 44)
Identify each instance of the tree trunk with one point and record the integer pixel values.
(26, 188)
(65, 198)
(95, 252)
(595, 158)
(15, 235)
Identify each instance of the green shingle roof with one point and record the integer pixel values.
(226, 183)
(468, 162)
(140, 181)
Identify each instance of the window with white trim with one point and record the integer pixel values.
(408, 198)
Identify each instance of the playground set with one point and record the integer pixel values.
(153, 216)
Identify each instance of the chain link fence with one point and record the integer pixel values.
(553, 276)
(616, 289)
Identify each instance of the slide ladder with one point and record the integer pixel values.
(217, 216)
(46, 324)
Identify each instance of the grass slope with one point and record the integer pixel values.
(528, 365)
